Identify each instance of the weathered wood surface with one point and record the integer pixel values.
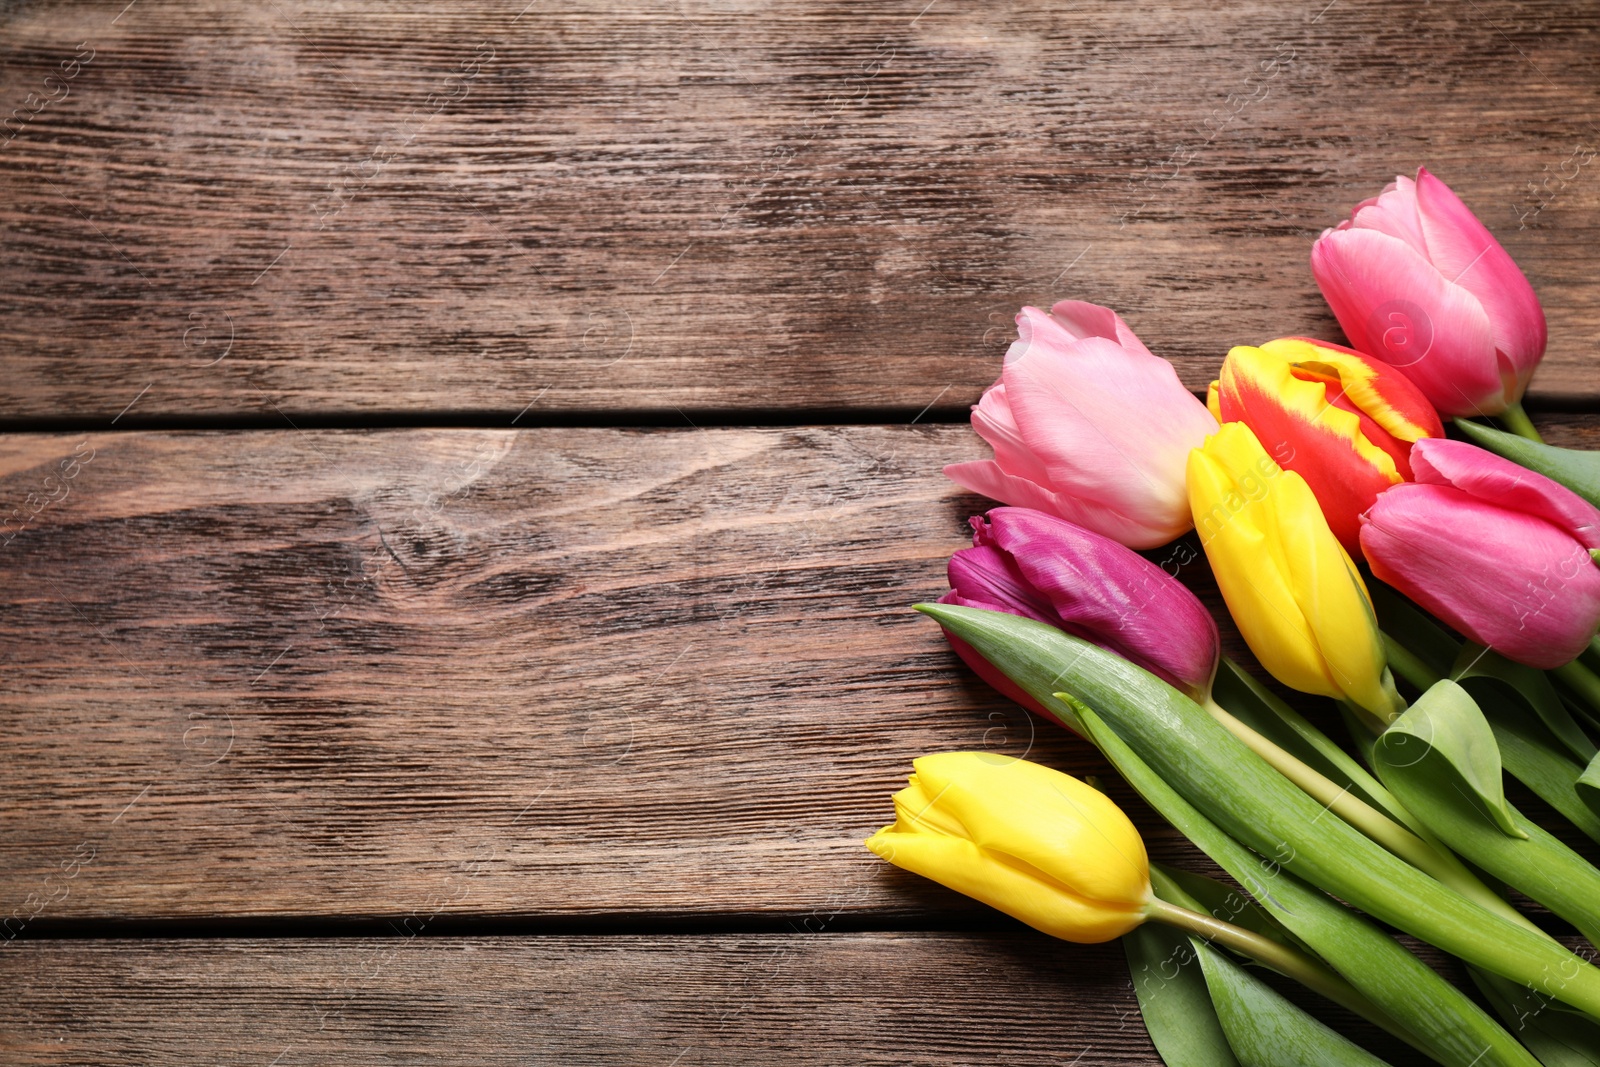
(305, 209)
(456, 672)
(537, 672)
(798, 999)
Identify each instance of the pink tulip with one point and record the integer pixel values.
(1417, 281)
(1495, 550)
(1087, 425)
(1040, 567)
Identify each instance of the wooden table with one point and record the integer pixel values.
(468, 466)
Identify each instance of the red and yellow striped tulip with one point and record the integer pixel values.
(1343, 421)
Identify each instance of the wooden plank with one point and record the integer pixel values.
(327, 209)
(536, 673)
(796, 999)
(544, 672)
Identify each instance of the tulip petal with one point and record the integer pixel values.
(1394, 305)
(1331, 595)
(1009, 887)
(1107, 594)
(1082, 319)
(1394, 212)
(983, 576)
(1111, 424)
(1042, 818)
(1253, 583)
(1577, 469)
(1377, 390)
(986, 478)
(1518, 584)
(1467, 254)
(1398, 451)
(915, 812)
(994, 423)
(1496, 480)
(1307, 433)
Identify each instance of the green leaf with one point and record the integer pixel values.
(1580, 685)
(1258, 1044)
(1588, 786)
(1264, 1029)
(1559, 1038)
(1415, 629)
(1426, 1011)
(1478, 669)
(1173, 998)
(1242, 794)
(1361, 736)
(1529, 751)
(1445, 734)
(1260, 709)
(1536, 759)
(1580, 708)
(1425, 758)
(1577, 469)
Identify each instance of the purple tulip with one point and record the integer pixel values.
(1496, 551)
(1040, 567)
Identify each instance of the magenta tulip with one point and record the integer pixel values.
(1040, 567)
(1495, 550)
(1417, 281)
(1087, 425)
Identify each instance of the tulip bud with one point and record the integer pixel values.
(1291, 588)
(1343, 421)
(1498, 552)
(1040, 567)
(1417, 281)
(1087, 425)
(1032, 842)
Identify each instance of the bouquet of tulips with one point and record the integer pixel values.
(1442, 592)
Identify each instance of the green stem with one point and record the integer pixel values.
(1275, 956)
(1581, 680)
(1434, 859)
(1409, 664)
(1375, 726)
(1516, 420)
(1268, 813)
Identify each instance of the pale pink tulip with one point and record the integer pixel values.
(1087, 425)
(1417, 281)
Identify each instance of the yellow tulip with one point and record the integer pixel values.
(1291, 588)
(1045, 848)
(1037, 844)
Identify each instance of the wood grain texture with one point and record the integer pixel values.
(513, 673)
(543, 672)
(294, 208)
(690, 1001)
